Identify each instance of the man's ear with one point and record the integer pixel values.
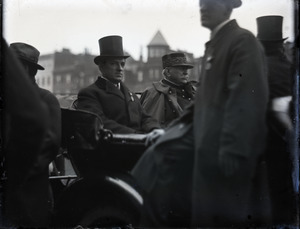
(167, 71)
(101, 64)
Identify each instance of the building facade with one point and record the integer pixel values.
(66, 73)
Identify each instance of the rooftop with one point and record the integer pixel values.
(158, 39)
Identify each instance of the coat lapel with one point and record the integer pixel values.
(112, 89)
(127, 94)
(109, 87)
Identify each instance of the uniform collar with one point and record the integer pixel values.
(171, 84)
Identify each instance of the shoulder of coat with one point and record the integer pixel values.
(159, 86)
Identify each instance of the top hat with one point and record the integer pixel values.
(176, 59)
(27, 52)
(110, 46)
(269, 28)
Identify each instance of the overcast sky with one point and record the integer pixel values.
(51, 25)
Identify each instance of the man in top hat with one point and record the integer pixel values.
(118, 107)
(200, 171)
(278, 154)
(28, 190)
(166, 100)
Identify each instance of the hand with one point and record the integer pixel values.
(229, 164)
(153, 136)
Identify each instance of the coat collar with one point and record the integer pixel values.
(231, 25)
(110, 88)
(161, 87)
(164, 86)
(171, 84)
(218, 28)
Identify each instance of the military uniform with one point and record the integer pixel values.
(165, 101)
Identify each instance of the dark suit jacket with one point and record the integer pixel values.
(120, 110)
(280, 75)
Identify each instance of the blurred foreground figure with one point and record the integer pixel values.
(167, 99)
(109, 98)
(31, 138)
(199, 173)
(278, 154)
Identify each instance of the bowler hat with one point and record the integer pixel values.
(269, 28)
(26, 52)
(110, 46)
(176, 59)
(234, 3)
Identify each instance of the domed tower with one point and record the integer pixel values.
(156, 49)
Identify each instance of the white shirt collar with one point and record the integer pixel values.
(218, 28)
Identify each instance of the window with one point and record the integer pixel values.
(157, 53)
(140, 76)
(151, 52)
(81, 82)
(68, 78)
(157, 74)
(151, 73)
(58, 78)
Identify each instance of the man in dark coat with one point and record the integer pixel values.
(210, 155)
(109, 98)
(28, 199)
(278, 154)
(167, 99)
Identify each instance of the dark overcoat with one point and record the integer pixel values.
(51, 142)
(29, 199)
(119, 109)
(229, 119)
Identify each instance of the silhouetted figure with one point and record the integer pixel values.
(32, 138)
(278, 154)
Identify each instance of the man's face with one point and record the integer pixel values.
(213, 12)
(178, 75)
(113, 69)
